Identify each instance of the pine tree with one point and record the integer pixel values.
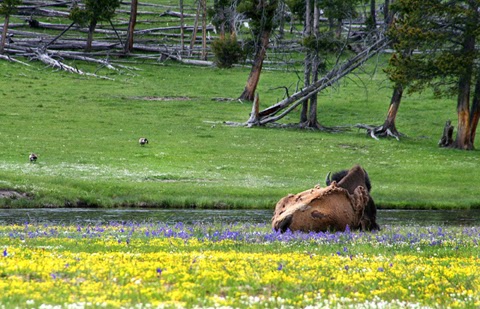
(443, 36)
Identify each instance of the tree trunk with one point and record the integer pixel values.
(254, 77)
(386, 12)
(388, 127)
(389, 123)
(464, 137)
(204, 29)
(312, 115)
(373, 14)
(131, 26)
(281, 21)
(195, 28)
(447, 136)
(475, 112)
(254, 119)
(307, 32)
(463, 140)
(338, 29)
(4, 33)
(91, 29)
(182, 30)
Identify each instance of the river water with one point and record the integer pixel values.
(188, 216)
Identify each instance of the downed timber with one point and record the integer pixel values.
(43, 57)
(176, 14)
(269, 114)
(83, 58)
(42, 25)
(189, 28)
(8, 58)
(60, 3)
(31, 10)
(65, 44)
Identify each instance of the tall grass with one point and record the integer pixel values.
(85, 131)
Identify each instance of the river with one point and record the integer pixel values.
(188, 216)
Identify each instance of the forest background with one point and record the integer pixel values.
(85, 126)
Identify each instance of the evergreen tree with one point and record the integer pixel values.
(93, 12)
(261, 14)
(7, 8)
(444, 36)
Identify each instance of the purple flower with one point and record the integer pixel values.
(280, 266)
(159, 271)
(380, 269)
(346, 267)
(5, 252)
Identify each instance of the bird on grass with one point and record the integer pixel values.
(33, 158)
(142, 141)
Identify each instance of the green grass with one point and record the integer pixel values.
(85, 131)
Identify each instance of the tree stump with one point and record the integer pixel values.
(446, 140)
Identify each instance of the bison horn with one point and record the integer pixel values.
(328, 179)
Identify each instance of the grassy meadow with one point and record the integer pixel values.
(85, 131)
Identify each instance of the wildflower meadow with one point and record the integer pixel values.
(157, 265)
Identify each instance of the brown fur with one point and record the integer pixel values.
(352, 179)
(321, 209)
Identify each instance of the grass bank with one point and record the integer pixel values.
(85, 131)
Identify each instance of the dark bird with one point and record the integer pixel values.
(142, 141)
(33, 158)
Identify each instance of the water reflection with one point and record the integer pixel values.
(188, 216)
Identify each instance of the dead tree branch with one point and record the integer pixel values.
(43, 57)
(270, 114)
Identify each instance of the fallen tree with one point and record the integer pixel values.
(282, 108)
(45, 58)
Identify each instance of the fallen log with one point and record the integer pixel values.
(8, 58)
(83, 58)
(43, 57)
(35, 10)
(176, 14)
(270, 114)
(189, 28)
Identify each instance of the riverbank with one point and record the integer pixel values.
(85, 132)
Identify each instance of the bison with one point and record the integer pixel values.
(320, 210)
(357, 176)
(332, 208)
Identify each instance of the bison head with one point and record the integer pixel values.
(350, 180)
